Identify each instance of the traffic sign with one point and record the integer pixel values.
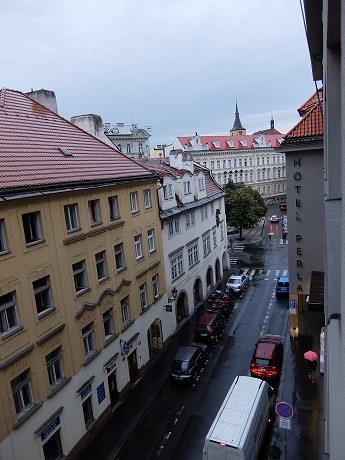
(284, 410)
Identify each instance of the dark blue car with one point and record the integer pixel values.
(282, 286)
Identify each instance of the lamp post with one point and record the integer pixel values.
(173, 297)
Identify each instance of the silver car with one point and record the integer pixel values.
(238, 283)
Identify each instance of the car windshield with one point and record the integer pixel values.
(234, 281)
(179, 365)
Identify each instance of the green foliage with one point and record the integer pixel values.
(244, 206)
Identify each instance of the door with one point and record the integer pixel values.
(112, 385)
(133, 366)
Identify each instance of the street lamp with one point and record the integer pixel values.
(173, 297)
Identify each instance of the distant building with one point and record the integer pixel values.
(131, 140)
(194, 237)
(251, 159)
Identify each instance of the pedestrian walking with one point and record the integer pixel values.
(311, 357)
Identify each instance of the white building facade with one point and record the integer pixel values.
(250, 159)
(193, 232)
(131, 140)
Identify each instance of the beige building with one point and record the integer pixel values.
(82, 284)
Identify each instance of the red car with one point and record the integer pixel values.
(210, 328)
(267, 359)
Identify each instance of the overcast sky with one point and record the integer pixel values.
(175, 65)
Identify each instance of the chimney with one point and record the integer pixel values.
(93, 124)
(44, 97)
(272, 123)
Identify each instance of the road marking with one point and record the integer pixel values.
(180, 410)
(175, 421)
(167, 435)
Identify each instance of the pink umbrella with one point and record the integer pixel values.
(311, 355)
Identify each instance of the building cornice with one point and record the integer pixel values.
(172, 212)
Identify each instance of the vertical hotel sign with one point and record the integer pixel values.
(297, 176)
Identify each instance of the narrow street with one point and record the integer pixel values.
(176, 423)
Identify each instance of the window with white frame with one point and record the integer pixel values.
(218, 164)
(212, 164)
(268, 160)
(206, 244)
(133, 198)
(151, 240)
(250, 161)
(143, 296)
(88, 335)
(32, 227)
(240, 162)
(138, 249)
(9, 320)
(189, 219)
(101, 265)
(245, 162)
(3, 239)
(155, 287)
(79, 275)
(95, 212)
(187, 188)
(71, 217)
(176, 266)
(229, 163)
(201, 182)
(222, 226)
(88, 412)
(193, 254)
(42, 294)
(203, 211)
(168, 192)
(52, 447)
(173, 227)
(214, 236)
(235, 162)
(257, 161)
(114, 210)
(224, 164)
(125, 311)
(140, 147)
(21, 392)
(147, 199)
(54, 367)
(108, 325)
(128, 148)
(119, 256)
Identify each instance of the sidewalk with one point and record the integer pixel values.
(304, 438)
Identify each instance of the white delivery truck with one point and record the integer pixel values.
(239, 427)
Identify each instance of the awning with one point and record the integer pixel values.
(316, 295)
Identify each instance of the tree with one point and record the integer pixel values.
(244, 207)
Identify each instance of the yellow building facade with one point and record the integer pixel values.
(82, 292)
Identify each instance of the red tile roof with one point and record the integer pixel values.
(309, 103)
(267, 131)
(309, 127)
(32, 141)
(163, 168)
(223, 145)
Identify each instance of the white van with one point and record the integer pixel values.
(239, 427)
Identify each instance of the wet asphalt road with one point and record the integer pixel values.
(177, 421)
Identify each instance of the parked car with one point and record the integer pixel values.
(274, 219)
(267, 358)
(188, 362)
(282, 286)
(238, 283)
(210, 327)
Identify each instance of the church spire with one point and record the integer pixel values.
(237, 128)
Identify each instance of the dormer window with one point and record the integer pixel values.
(201, 183)
(187, 188)
(168, 192)
(216, 144)
(230, 143)
(244, 143)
